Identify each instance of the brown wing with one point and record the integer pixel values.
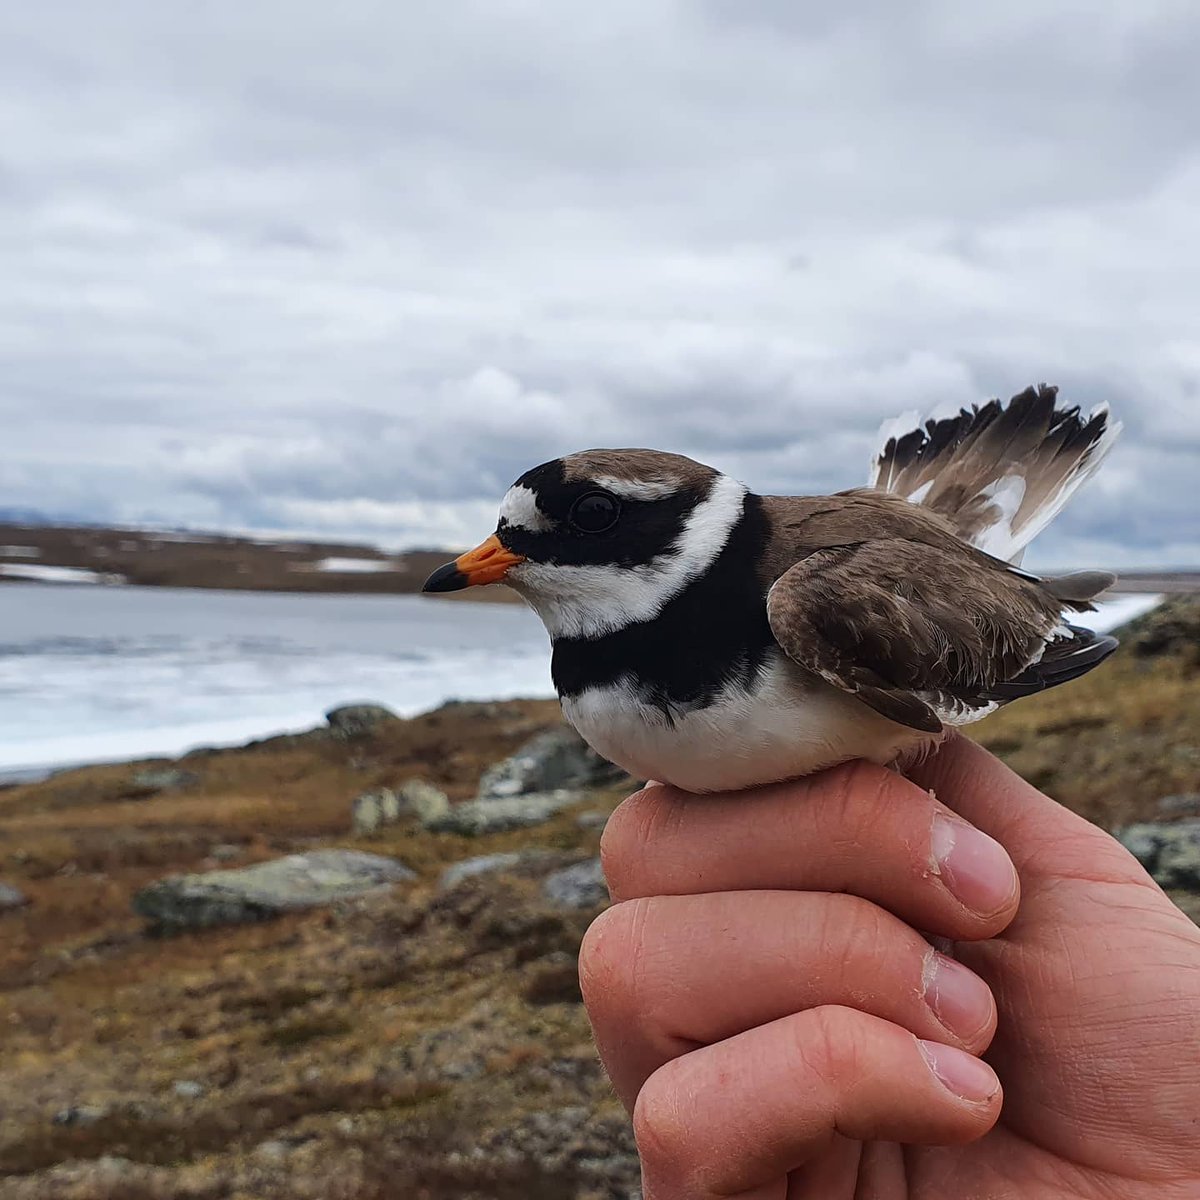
(921, 633)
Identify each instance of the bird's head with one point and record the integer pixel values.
(599, 540)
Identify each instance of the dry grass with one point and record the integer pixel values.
(379, 1042)
(1110, 744)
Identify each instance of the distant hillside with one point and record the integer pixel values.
(164, 558)
(198, 560)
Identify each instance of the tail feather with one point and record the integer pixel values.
(1073, 653)
(1001, 472)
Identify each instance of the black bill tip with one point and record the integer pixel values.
(445, 579)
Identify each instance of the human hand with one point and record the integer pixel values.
(778, 1029)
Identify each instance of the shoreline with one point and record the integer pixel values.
(178, 742)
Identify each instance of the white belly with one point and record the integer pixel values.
(785, 729)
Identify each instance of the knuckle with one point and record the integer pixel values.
(828, 1045)
(662, 1125)
(628, 838)
(852, 930)
(609, 959)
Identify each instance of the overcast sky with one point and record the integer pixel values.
(349, 268)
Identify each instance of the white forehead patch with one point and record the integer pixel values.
(590, 601)
(519, 509)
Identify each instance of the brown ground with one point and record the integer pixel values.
(244, 564)
(413, 1044)
(224, 561)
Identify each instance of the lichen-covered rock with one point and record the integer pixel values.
(267, 889)
(553, 760)
(1169, 850)
(11, 897)
(421, 800)
(372, 810)
(1172, 628)
(526, 861)
(151, 780)
(413, 799)
(580, 886)
(479, 817)
(352, 721)
(1182, 804)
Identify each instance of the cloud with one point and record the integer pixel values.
(352, 269)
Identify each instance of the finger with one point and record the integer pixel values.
(733, 1119)
(856, 828)
(665, 974)
(1045, 840)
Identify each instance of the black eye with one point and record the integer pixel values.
(597, 512)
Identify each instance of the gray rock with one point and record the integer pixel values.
(1184, 804)
(265, 890)
(1179, 863)
(79, 1115)
(487, 864)
(358, 720)
(372, 810)
(479, 817)
(226, 852)
(1173, 628)
(594, 819)
(188, 1089)
(580, 886)
(552, 760)
(153, 780)
(11, 897)
(414, 798)
(1169, 850)
(422, 800)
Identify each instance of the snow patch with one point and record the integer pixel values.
(359, 566)
(45, 574)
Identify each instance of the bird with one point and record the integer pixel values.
(714, 639)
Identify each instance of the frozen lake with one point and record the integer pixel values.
(89, 674)
(95, 673)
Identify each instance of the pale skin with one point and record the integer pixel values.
(780, 1030)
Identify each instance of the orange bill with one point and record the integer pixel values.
(489, 562)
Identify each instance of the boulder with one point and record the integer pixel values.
(415, 798)
(1182, 804)
(372, 810)
(422, 800)
(1169, 850)
(478, 817)
(78, 1115)
(151, 780)
(1173, 628)
(352, 721)
(488, 864)
(580, 886)
(553, 760)
(265, 890)
(11, 897)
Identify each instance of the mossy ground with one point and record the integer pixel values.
(413, 1043)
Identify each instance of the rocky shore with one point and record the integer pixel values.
(343, 964)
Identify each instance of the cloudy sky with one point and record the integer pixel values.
(350, 268)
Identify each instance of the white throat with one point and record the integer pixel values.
(591, 601)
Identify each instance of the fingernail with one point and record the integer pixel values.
(968, 1077)
(974, 866)
(960, 1000)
